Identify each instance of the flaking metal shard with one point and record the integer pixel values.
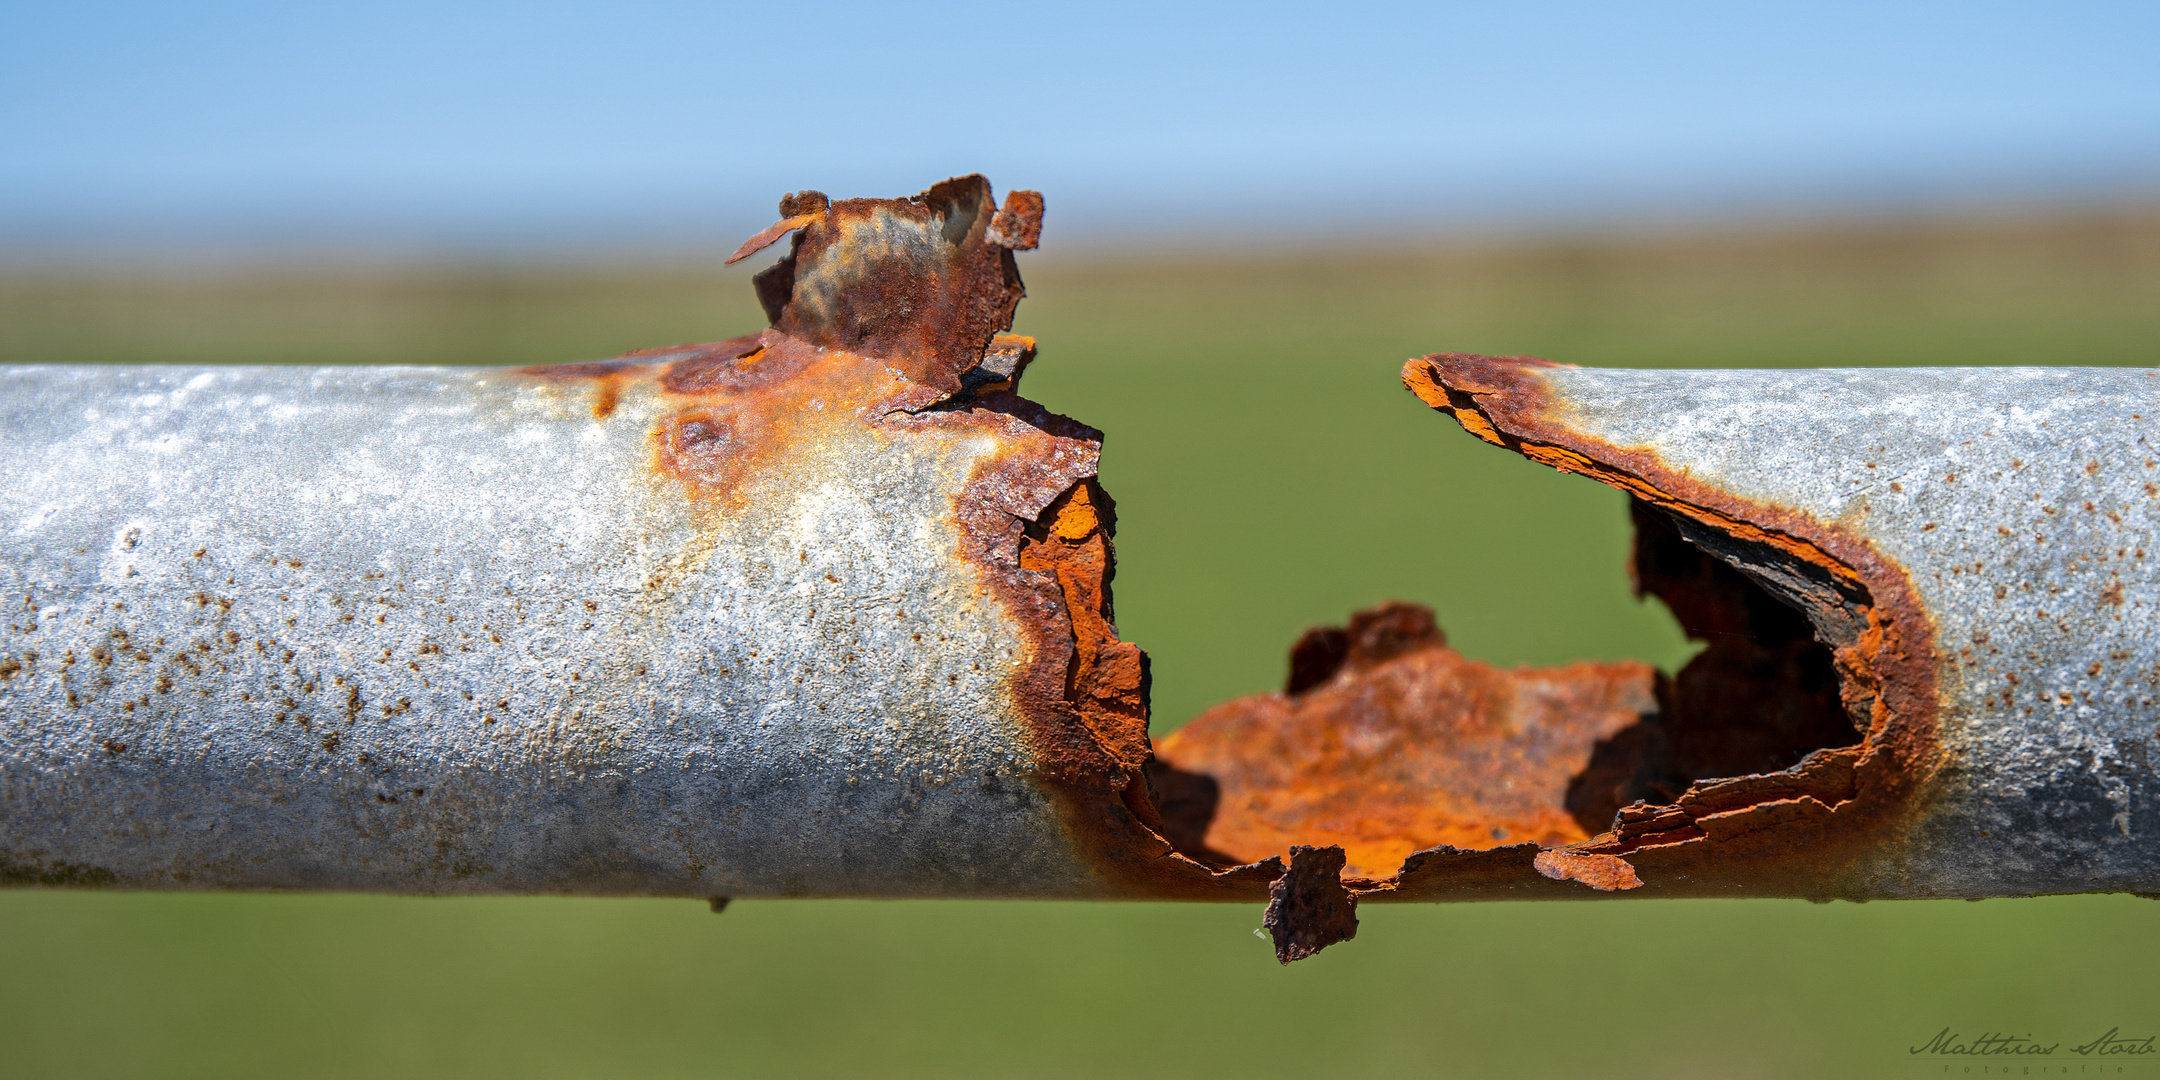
(825, 611)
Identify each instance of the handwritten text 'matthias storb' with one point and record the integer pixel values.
(1992, 1044)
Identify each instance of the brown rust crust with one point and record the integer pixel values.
(1797, 832)
(1309, 908)
(922, 283)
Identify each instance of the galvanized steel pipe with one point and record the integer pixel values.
(824, 610)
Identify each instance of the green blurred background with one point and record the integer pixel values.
(1270, 474)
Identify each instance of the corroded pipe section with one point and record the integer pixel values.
(822, 610)
(1973, 549)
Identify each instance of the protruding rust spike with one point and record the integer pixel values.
(771, 233)
(719, 903)
(1309, 908)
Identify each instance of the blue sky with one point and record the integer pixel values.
(630, 123)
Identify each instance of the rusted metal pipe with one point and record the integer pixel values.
(824, 610)
(821, 610)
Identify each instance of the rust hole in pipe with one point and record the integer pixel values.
(1765, 766)
(1759, 698)
(1762, 767)
(1390, 767)
(1385, 742)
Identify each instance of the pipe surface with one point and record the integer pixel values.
(768, 617)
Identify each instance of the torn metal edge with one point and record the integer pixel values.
(1794, 833)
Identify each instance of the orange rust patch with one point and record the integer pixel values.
(1605, 873)
(606, 377)
(1407, 746)
(741, 422)
(737, 366)
(1106, 679)
(1082, 692)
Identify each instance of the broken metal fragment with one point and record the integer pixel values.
(1308, 907)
